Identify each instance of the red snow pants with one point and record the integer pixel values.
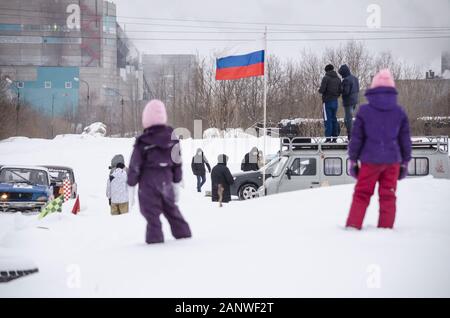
(369, 174)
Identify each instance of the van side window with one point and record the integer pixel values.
(304, 167)
(418, 167)
(332, 166)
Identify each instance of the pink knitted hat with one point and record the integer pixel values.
(154, 114)
(383, 78)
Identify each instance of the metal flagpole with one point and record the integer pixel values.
(265, 110)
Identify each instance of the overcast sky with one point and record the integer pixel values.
(405, 13)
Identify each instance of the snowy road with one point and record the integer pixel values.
(289, 245)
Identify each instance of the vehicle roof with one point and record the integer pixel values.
(59, 168)
(24, 167)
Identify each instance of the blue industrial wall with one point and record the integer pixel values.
(64, 100)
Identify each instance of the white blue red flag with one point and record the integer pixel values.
(245, 60)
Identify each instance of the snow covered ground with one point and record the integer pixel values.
(288, 245)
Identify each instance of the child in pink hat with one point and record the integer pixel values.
(379, 151)
(156, 166)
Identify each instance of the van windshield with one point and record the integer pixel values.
(270, 165)
(279, 165)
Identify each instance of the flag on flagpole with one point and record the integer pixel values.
(244, 60)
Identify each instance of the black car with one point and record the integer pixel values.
(246, 184)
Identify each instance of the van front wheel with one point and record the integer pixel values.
(248, 191)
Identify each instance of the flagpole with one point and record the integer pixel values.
(265, 109)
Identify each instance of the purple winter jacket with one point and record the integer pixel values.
(380, 133)
(156, 158)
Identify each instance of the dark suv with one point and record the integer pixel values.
(246, 184)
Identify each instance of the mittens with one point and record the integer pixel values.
(131, 195)
(353, 169)
(403, 171)
(176, 191)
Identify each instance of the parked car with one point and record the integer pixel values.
(311, 163)
(24, 188)
(57, 175)
(246, 184)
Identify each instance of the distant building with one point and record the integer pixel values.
(52, 48)
(445, 64)
(162, 71)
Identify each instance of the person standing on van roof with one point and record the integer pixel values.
(350, 96)
(156, 166)
(198, 164)
(330, 88)
(250, 161)
(382, 143)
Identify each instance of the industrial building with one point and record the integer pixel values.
(70, 57)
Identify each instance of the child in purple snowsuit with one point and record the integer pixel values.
(156, 166)
(382, 143)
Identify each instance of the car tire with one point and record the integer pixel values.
(248, 191)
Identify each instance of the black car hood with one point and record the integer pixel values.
(247, 174)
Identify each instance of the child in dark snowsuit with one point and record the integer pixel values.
(156, 166)
(382, 143)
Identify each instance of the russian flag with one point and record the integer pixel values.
(243, 61)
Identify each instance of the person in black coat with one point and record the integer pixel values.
(350, 96)
(221, 175)
(331, 89)
(250, 162)
(198, 164)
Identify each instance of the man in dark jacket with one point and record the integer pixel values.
(330, 88)
(221, 175)
(250, 162)
(350, 96)
(198, 168)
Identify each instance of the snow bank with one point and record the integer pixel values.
(96, 129)
(212, 133)
(299, 121)
(287, 245)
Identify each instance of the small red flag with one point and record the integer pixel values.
(76, 206)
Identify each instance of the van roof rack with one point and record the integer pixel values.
(435, 143)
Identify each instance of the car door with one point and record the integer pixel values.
(301, 173)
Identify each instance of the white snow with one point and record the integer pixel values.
(299, 121)
(212, 133)
(95, 129)
(288, 245)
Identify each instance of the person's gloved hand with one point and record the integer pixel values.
(353, 169)
(176, 191)
(403, 171)
(131, 196)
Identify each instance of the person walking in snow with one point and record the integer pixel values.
(221, 179)
(330, 88)
(198, 164)
(382, 144)
(117, 190)
(350, 96)
(250, 161)
(156, 166)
